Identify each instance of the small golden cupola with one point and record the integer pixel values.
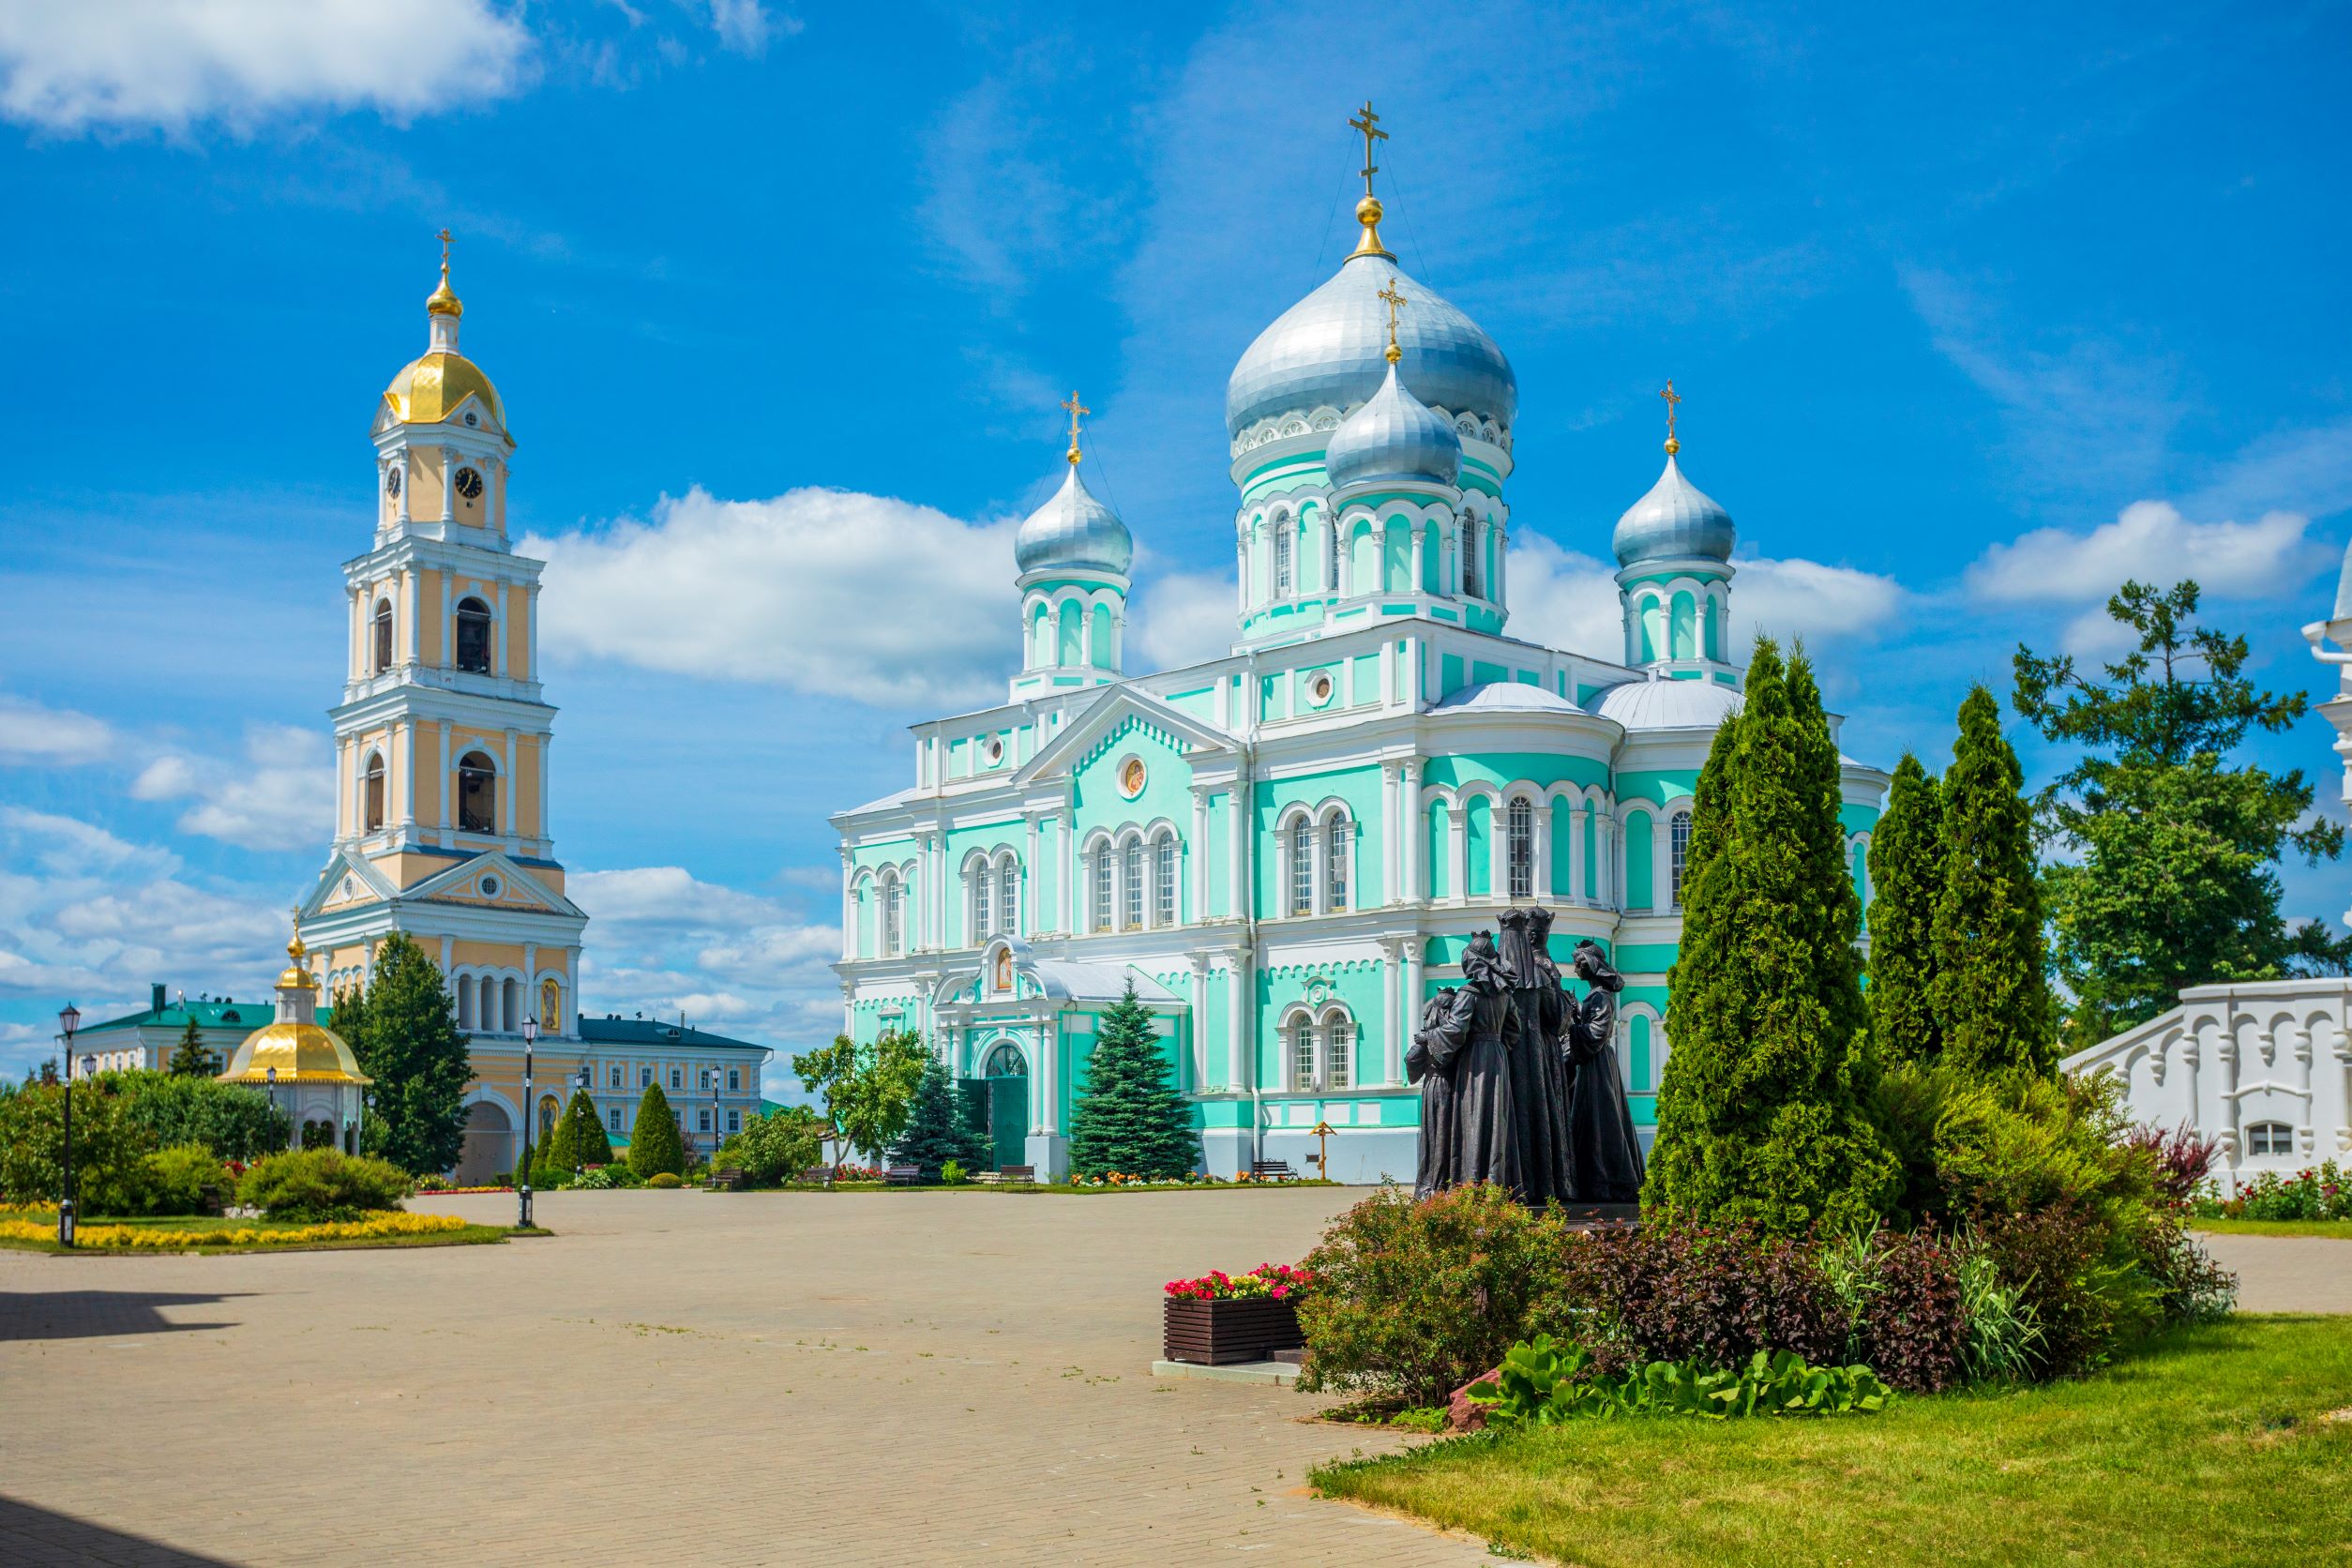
(307, 1068)
(433, 389)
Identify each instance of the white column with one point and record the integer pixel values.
(1066, 888)
(1392, 835)
(1416, 833)
(1502, 555)
(1240, 1019)
(357, 662)
(1196, 854)
(1420, 550)
(1575, 854)
(1391, 1006)
(448, 485)
(1027, 911)
(500, 624)
(412, 613)
(404, 758)
(1541, 847)
(1395, 1063)
(1457, 852)
(400, 513)
(1199, 966)
(1237, 903)
(531, 991)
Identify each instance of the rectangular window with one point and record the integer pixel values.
(1282, 554)
(1102, 888)
(1335, 1074)
(1302, 1055)
(677, 1078)
(613, 1077)
(735, 1121)
(1133, 868)
(1008, 898)
(1679, 848)
(613, 1118)
(644, 1077)
(1520, 828)
(706, 1079)
(1302, 869)
(735, 1079)
(703, 1119)
(1335, 856)
(1165, 869)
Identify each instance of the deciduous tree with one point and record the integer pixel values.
(403, 1032)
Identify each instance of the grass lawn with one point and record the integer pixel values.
(472, 1235)
(2340, 1229)
(2228, 1444)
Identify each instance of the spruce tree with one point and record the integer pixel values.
(1992, 1000)
(1759, 1114)
(406, 1038)
(1907, 872)
(937, 1129)
(189, 1059)
(1130, 1117)
(654, 1145)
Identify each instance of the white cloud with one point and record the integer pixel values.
(56, 737)
(662, 941)
(170, 63)
(2152, 541)
(745, 25)
(280, 795)
(1182, 618)
(1564, 598)
(831, 592)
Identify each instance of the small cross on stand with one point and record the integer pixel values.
(1389, 293)
(1076, 408)
(1672, 398)
(1320, 1132)
(1368, 122)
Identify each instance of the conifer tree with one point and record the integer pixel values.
(189, 1059)
(579, 1140)
(1759, 1114)
(654, 1145)
(1907, 872)
(1992, 1000)
(405, 1037)
(937, 1129)
(1130, 1117)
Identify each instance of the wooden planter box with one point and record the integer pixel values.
(1217, 1334)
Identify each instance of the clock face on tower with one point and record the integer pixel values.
(469, 484)
(392, 481)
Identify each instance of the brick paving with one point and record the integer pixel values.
(855, 1379)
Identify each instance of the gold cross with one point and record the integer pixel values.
(1368, 122)
(444, 238)
(1672, 398)
(1388, 292)
(1076, 408)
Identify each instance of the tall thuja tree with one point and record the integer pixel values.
(1759, 1114)
(1907, 872)
(579, 1140)
(2172, 879)
(1131, 1118)
(1992, 1000)
(405, 1035)
(654, 1146)
(937, 1129)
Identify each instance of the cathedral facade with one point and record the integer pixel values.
(1284, 850)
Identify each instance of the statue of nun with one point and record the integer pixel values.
(1471, 1048)
(1609, 1166)
(1539, 1075)
(1434, 1171)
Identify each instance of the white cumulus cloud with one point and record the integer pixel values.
(70, 66)
(2152, 541)
(831, 592)
(279, 794)
(55, 737)
(663, 941)
(1182, 618)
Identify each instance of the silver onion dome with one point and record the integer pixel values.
(1676, 520)
(1072, 529)
(1328, 350)
(1393, 436)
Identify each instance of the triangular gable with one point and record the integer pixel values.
(1105, 721)
(495, 862)
(329, 888)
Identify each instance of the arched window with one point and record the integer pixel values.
(1102, 888)
(892, 913)
(465, 1005)
(473, 636)
(1335, 838)
(1338, 1051)
(1281, 554)
(1303, 866)
(1331, 556)
(477, 794)
(1008, 895)
(981, 905)
(1466, 540)
(1519, 847)
(511, 1005)
(1677, 852)
(1131, 866)
(1163, 882)
(371, 808)
(1302, 1052)
(383, 660)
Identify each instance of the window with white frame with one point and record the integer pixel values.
(1163, 880)
(677, 1078)
(893, 913)
(1331, 557)
(1519, 846)
(703, 1119)
(1677, 853)
(980, 904)
(1131, 866)
(1008, 895)
(1102, 888)
(612, 1119)
(2270, 1137)
(1466, 537)
(1302, 866)
(735, 1121)
(1302, 1054)
(613, 1077)
(1335, 843)
(734, 1081)
(1282, 553)
(644, 1077)
(1338, 1051)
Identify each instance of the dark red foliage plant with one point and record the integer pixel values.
(1911, 1324)
(1679, 1292)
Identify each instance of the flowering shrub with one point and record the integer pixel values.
(606, 1178)
(2181, 1160)
(1278, 1281)
(142, 1239)
(2309, 1194)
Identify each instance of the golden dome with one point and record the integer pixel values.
(431, 387)
(443, 301)
(301, 1052)
(298, 975)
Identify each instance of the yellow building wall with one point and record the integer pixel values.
(517, 623)
(527, 765)
(424, 484)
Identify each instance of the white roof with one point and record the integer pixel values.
(1505, 697)
(1699, 704)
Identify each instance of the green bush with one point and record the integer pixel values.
(607, 1178)
(665, 1179)
(1541, 1384)
(322, 1183)
(1416, 1299)
(577, 1141)
(187, 1179)
(234, 1122)
(109, 1148)
(654, 1146)
(777, 1147)
(953, 1173)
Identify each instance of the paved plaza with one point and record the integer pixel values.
(865, 1377)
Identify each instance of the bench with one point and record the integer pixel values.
(1271, 1170)
(904, 1176)
(817, 1176)
(1016, 1173)
(726, 1179)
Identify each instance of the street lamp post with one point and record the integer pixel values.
(522, 1176)
(69, 1019)
(715, 1134)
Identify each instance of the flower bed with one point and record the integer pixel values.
(2321, 1193)
(147, 1239)
(1220, 1317)
(1278, 1281)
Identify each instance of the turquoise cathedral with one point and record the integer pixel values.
(1282, 850)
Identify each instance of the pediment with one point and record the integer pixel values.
(347, 879)
(1123, 711)
(494, 881)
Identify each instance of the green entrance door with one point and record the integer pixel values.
(1008, 1078)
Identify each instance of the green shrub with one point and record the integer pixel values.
(774, 1148)
(2322, 1193)
(1418, 1298)
(234, 1122)
(953, 1173)
(665, 1179)
(187, 1179)
(1541, 1384)
(607, 1178)
(109, 1148)
(579, 1140)
(313, 1184)
(938, 1131)
(654, 1146)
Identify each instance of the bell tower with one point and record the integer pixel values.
(442, 738)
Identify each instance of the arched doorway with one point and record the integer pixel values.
(1006, 1073)
(488, 1147)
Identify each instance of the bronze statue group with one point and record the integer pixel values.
(1518, 1078)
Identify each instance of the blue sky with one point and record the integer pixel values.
(1974, 316)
